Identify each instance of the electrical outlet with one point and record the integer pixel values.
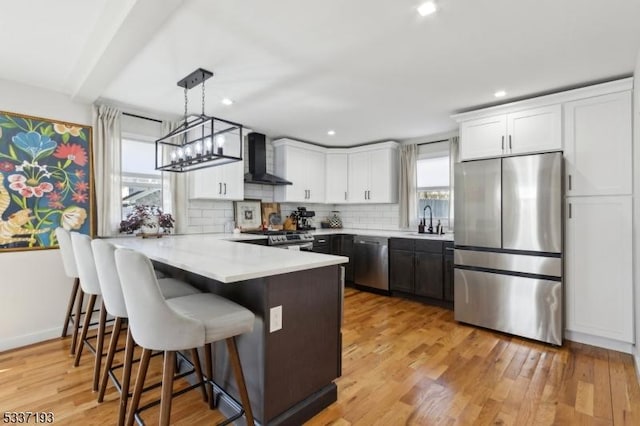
(275, 319)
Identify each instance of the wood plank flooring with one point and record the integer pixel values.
(403, 363)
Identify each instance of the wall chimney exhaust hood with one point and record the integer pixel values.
(258, 162)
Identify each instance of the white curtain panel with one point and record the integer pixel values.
(454, 157)
(174, 189)
(107, 160)
(407, 197)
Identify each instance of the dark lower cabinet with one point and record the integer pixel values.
(401, 270)
(322, 244)
(448, 271)
(428, 277)
(418, 268)
(346, 249)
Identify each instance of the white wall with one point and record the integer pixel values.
(34, 288)
(636, 208)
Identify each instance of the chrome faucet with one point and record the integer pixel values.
(430, 228)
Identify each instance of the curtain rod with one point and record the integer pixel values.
(142, 117)
(428, 143)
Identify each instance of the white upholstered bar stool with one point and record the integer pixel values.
(177, 324)
(91, 287)
(76, 296)
(113, 299)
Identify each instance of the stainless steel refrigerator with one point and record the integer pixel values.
(508, 245)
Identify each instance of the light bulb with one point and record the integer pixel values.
(180, 153)
(198, 148)
(173, 156)
(220, 141)
(187, 151)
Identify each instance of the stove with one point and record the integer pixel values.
(293, 240)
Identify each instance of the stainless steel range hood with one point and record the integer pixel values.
(258, 162)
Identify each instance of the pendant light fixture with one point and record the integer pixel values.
(200, 140)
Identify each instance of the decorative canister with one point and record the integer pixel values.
(334, 220)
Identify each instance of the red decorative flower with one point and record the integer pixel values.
(73, 152)
(79, 197)
(56, 205)
(81, 186)
(6, 166)
(79, 173)
(28, 188)
(54, 196)
(60, 186)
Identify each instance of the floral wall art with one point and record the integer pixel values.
(45, 181)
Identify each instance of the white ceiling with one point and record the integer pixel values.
(369, 69)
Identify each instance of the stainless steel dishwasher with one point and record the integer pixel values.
(371, 262)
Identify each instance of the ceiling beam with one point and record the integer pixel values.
(123, 29)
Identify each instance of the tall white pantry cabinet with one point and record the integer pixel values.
(593, 127)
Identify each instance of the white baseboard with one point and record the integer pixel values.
(28, 339)
(601, 342)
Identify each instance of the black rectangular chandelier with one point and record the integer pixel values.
(200, 141)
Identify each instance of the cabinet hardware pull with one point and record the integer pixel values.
(309, 194)
(569, 210)
(345, 195)
(225, 188)
(365, 195)
(510, 143)
(569, 182)
(503, 142)
(220, 188)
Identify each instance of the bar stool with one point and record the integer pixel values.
(177, 324)
(104, 256)
(71, 270)
(90, 285)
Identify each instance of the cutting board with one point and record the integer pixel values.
(271, 216)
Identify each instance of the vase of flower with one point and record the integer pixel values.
(147, 221)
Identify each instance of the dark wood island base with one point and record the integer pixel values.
(289, 372)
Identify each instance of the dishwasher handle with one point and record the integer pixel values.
(367, 242)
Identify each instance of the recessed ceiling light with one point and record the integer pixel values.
(227, 101)
(500, 94)
(427, 8)
(331, 132)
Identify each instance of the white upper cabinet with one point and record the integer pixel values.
(224, 182)
(598, 145)
(534, 130)
(520, 132)
(373, 174)
(483, 137)
(304, 166)
(337, 176)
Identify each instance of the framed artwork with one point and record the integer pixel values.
(247, 214)
(45, 180)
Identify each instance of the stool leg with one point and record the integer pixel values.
(198, 368)
(113, 346)
(237, 371)
(167, 387)
(208, 365)
(99, 346)
(76, 322)
(85, 329)
(126, 377)
(72, 299)
(137, 391)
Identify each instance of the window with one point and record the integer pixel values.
(432, 171)
(141, 182)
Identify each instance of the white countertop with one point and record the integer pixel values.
(382, 233)
(215, 256)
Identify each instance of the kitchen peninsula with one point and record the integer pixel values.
(289, 367)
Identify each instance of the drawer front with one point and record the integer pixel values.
(429, 246)
(401, 244)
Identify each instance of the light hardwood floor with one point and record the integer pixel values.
(403, 363)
